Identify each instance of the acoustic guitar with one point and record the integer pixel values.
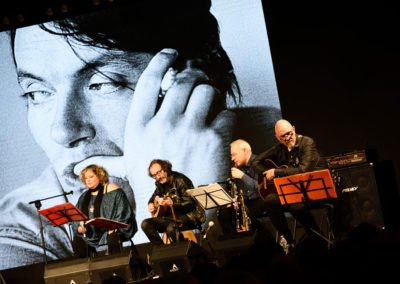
(265, 186)
(162, 210)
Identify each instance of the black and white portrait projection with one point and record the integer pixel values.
(175, 80)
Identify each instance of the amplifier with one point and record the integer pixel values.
(347, 159)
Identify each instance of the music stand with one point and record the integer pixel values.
(210, 196)
(38, 204)
(305, 187)
(63, 213)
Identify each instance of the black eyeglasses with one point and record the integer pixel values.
(157, 173)
(286, 135)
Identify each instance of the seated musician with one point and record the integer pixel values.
(246, 178)
(106, 200)
(171, 206)
(298, 154)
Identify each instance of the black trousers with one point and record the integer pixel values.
(274, 209)
(153, 226)
(301, 212)
(256, 208)
(83, 249)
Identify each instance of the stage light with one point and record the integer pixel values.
(6, 21)
(96, 2)
(64, 8)
(49, 12)
(20, 18)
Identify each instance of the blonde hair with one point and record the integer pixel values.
(99, 171)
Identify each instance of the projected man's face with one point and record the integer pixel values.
(78, 99)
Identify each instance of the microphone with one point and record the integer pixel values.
(67, 193)
(210, 224)
(82, 224)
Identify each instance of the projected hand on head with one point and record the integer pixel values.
(178, 131)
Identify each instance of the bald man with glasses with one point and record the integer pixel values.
(300, 154)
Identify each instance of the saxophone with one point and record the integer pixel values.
(242, 220)
(245, 218)
(234, 195)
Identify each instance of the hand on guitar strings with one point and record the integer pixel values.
(165, 201)
(269, 174)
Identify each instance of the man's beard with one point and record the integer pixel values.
(290, 144)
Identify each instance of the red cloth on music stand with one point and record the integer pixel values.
(304, 187)
(63, 213)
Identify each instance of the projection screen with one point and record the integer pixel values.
(57, 118)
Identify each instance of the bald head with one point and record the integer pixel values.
(285, 133)
(282, 124)
(241, 144)
(240, 152)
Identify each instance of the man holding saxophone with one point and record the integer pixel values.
(247, 180)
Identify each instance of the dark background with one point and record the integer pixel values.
(337, 71)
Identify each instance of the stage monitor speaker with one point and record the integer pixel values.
(230, 245)
(106, 267)
(358, 198)
(86, 270)
(68, 271)
(176, 258)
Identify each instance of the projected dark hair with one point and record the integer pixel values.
(151, 25)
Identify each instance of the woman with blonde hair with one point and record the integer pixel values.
(106, 200)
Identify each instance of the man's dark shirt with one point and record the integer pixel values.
(183, 203)
(304, 157)
(249, 182)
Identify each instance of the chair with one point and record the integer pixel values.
(186, 233)
(325, 224)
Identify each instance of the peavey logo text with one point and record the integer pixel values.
(174, 268)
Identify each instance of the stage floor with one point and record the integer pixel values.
(366, 253)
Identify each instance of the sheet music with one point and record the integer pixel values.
(210, 196)
(106, 224)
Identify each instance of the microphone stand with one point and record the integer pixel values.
(38, 204)
(204, 242)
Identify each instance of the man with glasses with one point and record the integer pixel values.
(299, 153)
(171, 206)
